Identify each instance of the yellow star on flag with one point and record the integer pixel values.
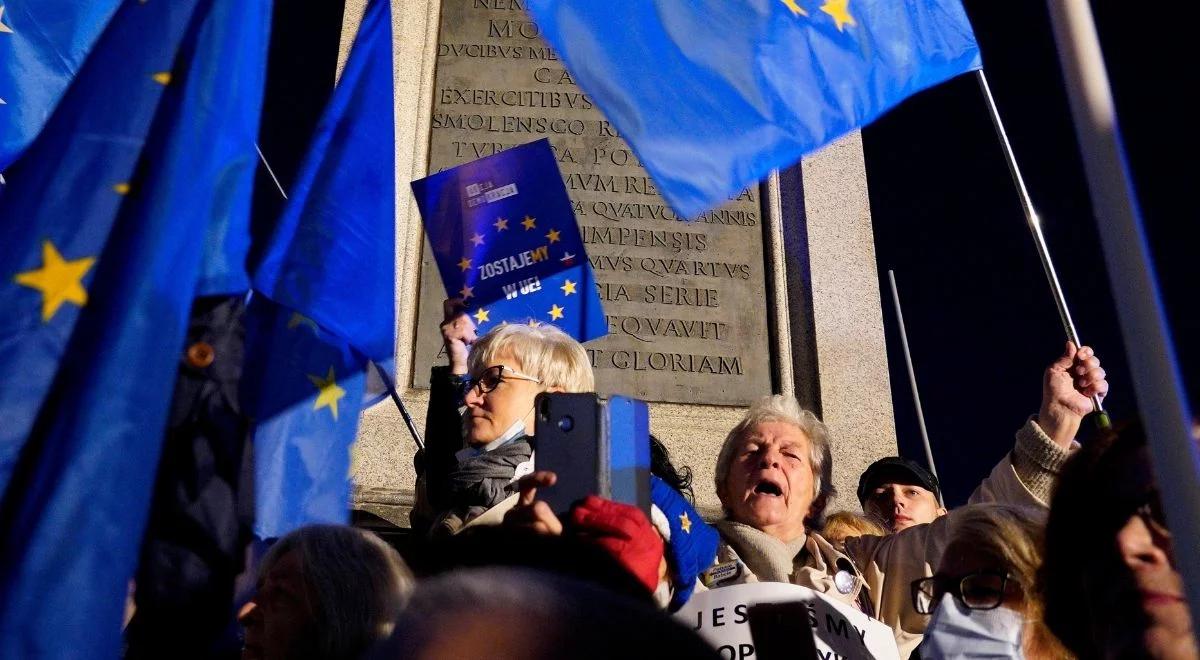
(685, 523)
(466, 292)
(4, 29)
(464, 263)
(796, 9)
(60, 281)
(162, 78)
(568, 288)
(481, 315)
(840, 11)
(297, 319)
(553, 236)
(121, 188)
(328, 392)
(555, 312)
(501, 224)
(528, 223)
(477, 239)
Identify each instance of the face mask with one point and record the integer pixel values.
(517, 429)
(954, 631)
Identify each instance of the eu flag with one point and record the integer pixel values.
(105, 216)
(332, 255)
(713, 95)
(327, 295)
(304, 385)
(505, 239)
(43, 44)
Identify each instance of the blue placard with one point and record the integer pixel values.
(505, 239)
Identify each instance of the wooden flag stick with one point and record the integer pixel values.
(1039, 240)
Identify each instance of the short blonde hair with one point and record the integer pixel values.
(542, 351)
(782, 408)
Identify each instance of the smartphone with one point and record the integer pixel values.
(566, 440)
(595, 447)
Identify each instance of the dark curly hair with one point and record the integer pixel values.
(660, 466)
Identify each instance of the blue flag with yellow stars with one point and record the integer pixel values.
(506, 242)
(304, 385)
(43, 44)
(104, 217)
(332, 254)
(712, 95)
(324, 295)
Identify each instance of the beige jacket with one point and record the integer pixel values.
(887, 565)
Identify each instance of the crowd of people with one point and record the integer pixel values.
(1062, 551)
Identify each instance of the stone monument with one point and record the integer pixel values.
(775, 291)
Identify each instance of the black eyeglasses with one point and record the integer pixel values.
(491, 378)
(976, 591)
(1152, 515)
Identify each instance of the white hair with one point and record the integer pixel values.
(785, 409)
(542, 351)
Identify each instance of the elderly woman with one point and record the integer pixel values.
(772, 480)
(324, 592)
(481, 415)
(984, 597)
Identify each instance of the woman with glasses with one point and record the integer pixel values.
(983, 596)
(771, 476)
(481, 415)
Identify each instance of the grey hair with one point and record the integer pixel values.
(358, 582)
(541, 350)
(782, 408)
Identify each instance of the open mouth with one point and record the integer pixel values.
(766, 487)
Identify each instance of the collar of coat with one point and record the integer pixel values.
(809, 561)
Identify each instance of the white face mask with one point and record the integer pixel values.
(954, 631)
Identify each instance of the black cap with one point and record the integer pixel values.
(894, 469)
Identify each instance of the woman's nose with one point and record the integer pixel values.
(248, 612)
(1138, 548)
(473, 398)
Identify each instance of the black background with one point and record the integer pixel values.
(981, 322)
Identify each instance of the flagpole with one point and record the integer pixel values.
(1156, 380)
(383, 375)
(912, 382)
(1039, 239)
(408, 420)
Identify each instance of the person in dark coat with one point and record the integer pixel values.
(481, 416)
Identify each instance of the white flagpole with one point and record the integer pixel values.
(1159, 388)
(1035, 228)
(912, 382)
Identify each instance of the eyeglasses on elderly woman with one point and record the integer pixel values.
(976, 591)
(489, 379)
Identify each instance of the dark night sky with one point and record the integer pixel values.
(981, 322)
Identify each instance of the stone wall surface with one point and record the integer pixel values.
(847, 322)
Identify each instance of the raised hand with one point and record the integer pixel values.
(458, 333)
(1069, 384)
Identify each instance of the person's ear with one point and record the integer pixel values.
(941, 511)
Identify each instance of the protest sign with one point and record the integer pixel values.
(721, 617)
(504, 236)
